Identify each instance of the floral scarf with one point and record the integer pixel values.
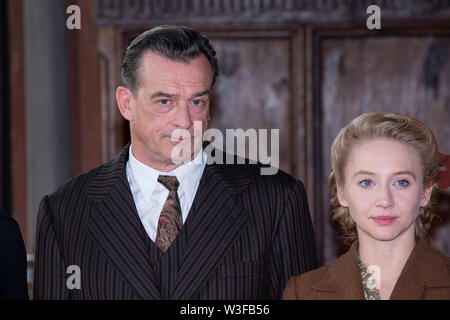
(370, 290)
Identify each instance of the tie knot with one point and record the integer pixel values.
(170, 182)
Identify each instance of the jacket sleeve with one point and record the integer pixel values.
(13, 261)
(49, 273)
(294, 249)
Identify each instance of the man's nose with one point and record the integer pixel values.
(384, 197)
(183, 117)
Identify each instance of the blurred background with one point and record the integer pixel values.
(306, 67)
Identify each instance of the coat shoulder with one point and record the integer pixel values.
(78, 183)
(302, 287)
(241, 176)
(109, 170)
(436, 265)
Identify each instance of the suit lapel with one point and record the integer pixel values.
(218, 218)
(116, 229)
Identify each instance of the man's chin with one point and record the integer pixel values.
(181, 153)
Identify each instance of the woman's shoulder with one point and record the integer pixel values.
(434, 261)
(333, 277)
(301, 287)
(424, 251)
(426, 275)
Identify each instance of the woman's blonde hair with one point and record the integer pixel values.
(383, 125)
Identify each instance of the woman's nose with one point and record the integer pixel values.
(384, 197)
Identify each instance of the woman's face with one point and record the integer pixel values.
(383, 188)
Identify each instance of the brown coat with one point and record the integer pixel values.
(426, 275)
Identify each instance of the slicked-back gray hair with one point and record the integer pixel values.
(177, 43)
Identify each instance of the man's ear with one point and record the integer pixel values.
(426, 195)
(341, 195)
(125, 99)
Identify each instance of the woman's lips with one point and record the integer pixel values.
(384, 220)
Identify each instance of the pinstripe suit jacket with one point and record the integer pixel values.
(249, 234)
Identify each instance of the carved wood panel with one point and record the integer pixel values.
(253, 90)
(128, 13)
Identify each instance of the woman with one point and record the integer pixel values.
(13, 260)
(384, 182)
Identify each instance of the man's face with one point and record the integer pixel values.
(171, 95)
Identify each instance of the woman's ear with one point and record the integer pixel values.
(426, 195)
(341, 195)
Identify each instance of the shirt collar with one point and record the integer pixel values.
(188, 174)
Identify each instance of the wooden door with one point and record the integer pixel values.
(404, 70)
(304, 67)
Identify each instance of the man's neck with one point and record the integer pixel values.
(163, 165)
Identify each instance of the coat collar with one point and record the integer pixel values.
(116, 229)
(218, 217)
(342, 280)
(423, 270)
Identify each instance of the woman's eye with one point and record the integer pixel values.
(402, 183)
(366, 183)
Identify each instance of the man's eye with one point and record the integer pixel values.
(402, 183)
(164, 102)
(366, 183)
(197, 102)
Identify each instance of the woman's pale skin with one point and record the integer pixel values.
(384, 190)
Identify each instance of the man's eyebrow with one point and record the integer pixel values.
(168, 95)
(199, 94)
(161, 94)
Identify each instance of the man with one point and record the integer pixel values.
(144, 226)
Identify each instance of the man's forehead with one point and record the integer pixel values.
(162, 74)
(151, 58)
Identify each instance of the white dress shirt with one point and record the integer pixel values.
(149, 195)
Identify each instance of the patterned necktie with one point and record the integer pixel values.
(170, 219)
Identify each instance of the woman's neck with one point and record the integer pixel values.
(386, 258)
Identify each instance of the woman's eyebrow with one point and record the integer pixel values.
(394, 174)
(405, 172)
(364, 172)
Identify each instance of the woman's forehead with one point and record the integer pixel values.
(383, 155)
